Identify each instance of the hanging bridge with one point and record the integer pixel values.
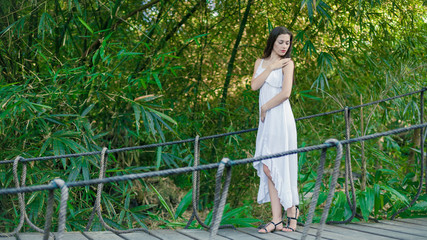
(387, 229)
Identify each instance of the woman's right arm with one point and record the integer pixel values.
(258, 81)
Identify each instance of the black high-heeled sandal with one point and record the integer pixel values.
(275, 225)
(292, 218)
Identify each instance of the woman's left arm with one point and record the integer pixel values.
(288, 74)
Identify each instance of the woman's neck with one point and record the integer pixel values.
(273, 57)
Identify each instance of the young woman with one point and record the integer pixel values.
(273, 75)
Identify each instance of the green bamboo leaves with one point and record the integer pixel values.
(320, 6)
(324, 62)
(16, 28)
(151, 119)
(85, 25)
(46, 24)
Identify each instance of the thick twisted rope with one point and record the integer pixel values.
(220, 196)
(57, 183)
(316, 191)
(315, 195)
(332, 187)
(196, 189)
(422, 90)
(348, 172)
(97, 207)
(20, 197)
(49, 213)
(196, 186)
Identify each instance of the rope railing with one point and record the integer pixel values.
(316, 190)
(209, 166)
(220, 195)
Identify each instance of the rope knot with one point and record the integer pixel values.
(58, 183)
(226, 161)
(18, 158)
(333, 141)
(104, 150)
(337, 144)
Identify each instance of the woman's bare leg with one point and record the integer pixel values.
(276, 207)
(291, 212)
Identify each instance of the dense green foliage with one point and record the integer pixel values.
(76, 76)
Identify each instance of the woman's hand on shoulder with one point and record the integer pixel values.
(280, 63)
(288, 62)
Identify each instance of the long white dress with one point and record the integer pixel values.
(277, 134)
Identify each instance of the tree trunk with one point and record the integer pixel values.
(202, 47)
(416, 144)
(164, 40)
(34, 18)
(233, 57)
(380, 142)
(97, 43)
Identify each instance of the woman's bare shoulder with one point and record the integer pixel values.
(290, 64)
(258, 62)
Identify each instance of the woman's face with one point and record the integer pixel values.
(282, 44)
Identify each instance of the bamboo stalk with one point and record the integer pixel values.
(363, 159)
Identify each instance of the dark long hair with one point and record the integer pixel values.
(272, 38)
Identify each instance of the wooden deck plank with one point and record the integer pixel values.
(30, 236)
(403, 224)
(386, 229)
(351, 232)
(327, 233)
(268, 236)
(297, 234)
(380, 232)
(8, 238)
(169, 234)
(138, 235)
(236, 234)
(199, 234)
(419, 221)
(37, 236)
(72, 236)
(103, 235)
(422, 231)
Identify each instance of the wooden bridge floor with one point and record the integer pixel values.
(398, 229)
